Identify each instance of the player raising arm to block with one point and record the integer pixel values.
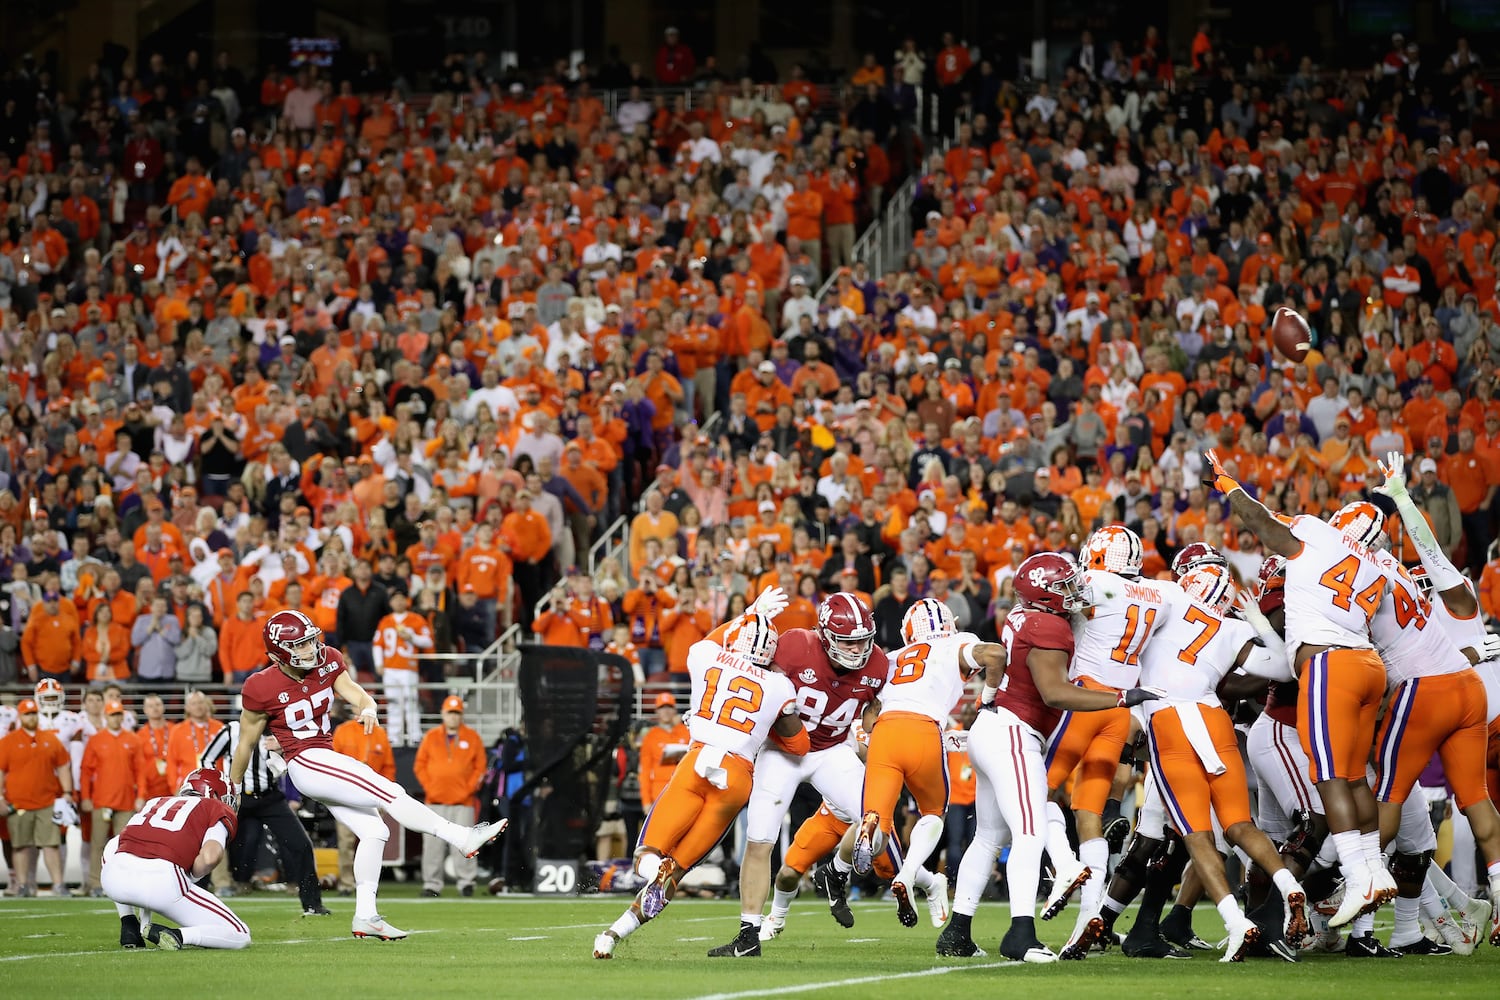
(740, 703)
(293, 696)
(155, 861)
(1334, 585)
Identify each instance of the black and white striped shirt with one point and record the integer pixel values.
(258, 777)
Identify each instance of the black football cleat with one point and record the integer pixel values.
(746, 944)
(1177, 928)
(1424, 946)
(836, 887)
(1279, 948)
(1136, 947)
(1115, 832)
(130, 933)
(1021, 944)
(165, 938)
(955, 942)
(1366, 946)
(318, 910)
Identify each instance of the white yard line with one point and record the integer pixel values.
(834, 984)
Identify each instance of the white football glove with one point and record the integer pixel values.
(275, 763)
(1395, 477)
(1491, 647)
(771, 602)
(956, 740)
(368, 719)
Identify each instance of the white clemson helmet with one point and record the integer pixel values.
(753, 637)
(1361, 521)
(926, 620)
(1209, 584)
(1114, 548)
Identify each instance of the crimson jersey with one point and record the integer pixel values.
(1026, 629)
(172, 828)
(829, 700)
(297, 710)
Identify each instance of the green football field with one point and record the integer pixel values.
(541, 948)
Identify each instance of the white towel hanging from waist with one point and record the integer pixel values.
(1190, 714)
(710, 766)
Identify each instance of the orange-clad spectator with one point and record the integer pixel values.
(106, 647)
(962, 790)
(770, 529)
(840, 196)
(374, 750)
(191, 192)
(242, 649)
(399, 639)
(1474, 477)
(653, 522)
(190, 738)
(484, 567)
(82, 211)
(804, 218)
(1489, 588)
(953, 62)
(643, 608)
(450, 767)
(661, 748)
(154, 738)
(52, 642)
(662, 389)
(526, 537)
(687, 623)
(35, 770)
(111, 782)
(427, 552)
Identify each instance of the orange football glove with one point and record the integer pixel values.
(1222, 481)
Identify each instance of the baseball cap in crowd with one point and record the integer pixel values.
(1425, 466)
(25, 706)
(666, 700)
(453, 703)
(767, 368)
(766, 505)
(114, 707)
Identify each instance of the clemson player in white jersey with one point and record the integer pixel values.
(740, 703)
(1108, 638)
(927, 679)
(1334, 585)
(1438, 702)
(1195, 758)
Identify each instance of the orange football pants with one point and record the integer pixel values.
(1190, 793)
(1090, 742)
(690, 815)
(1492, 773)
(1442, 714)
(905, 749)
(816, 838)
(1341, 691)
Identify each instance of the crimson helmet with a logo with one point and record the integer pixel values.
(846, 629)
(1114, 548)
(293, 640)
(1195, 554)
(49, 696)
(1361, 521)
(1418, 574)
(1209, 584)
(206, 783)
(1272, 584)
(1050, 581)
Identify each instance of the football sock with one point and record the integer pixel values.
(415, 816)
(1111, 811)
(1370, 843)
(214, 937)
(1406, 930)
(627, 925)
(924, 838)
(1023, 870)
(781, 901)
(647, 865)
(125, 910)
(1095, 854)
(974, 874)
(1057, 835)
(961, 923)
(1444, 887)
(840, 865)
(369, 858)
(1351, 851)
(922, 879)
(1230, 911)
(1286, 883)
(753, 919)
(1363, 925)
(1328, 856)
(1432, 903)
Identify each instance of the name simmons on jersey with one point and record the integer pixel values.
(297, 711)
(829, 701)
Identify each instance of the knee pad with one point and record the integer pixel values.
(1412, 868)
(1306, 839)
(1171, 858)
(1136, 860)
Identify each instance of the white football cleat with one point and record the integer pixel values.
(771, 927)
(1242, 934)
(604, 945)
(1040, 955)
(1068, 876)
(654, 896)
(377, 927)
(1295, 928)
(1359, 892)
(1385, 888)
(937, 900)
(1461, 937)
(481, 835)
(864, 843)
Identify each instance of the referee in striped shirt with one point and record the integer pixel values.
(263, 805)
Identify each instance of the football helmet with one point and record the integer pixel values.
(64, 813)
(1050, 581)
(1209, 584)
(1418, 574)
(49, 696)
(1196, 554)
(926, 620)
(206, 783)
(846, 629)
(753, 637)
(1361, 521)
(293, 640)
(1272, 584)
(1114, 548)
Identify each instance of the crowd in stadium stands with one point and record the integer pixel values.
(308, 339)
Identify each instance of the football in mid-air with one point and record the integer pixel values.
(1290, 334)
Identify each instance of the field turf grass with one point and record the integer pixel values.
(537, 949)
